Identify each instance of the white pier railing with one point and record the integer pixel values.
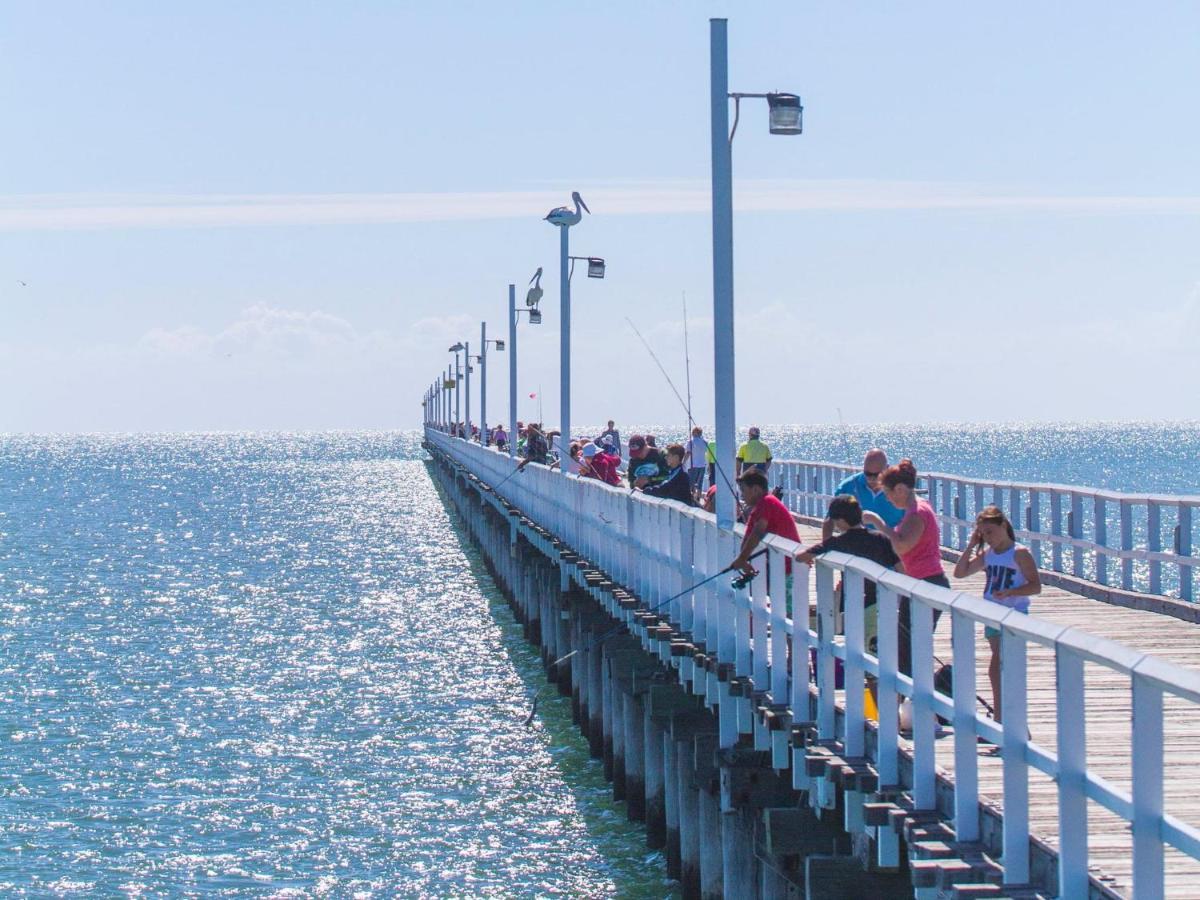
(657, 548)
(1137, 542)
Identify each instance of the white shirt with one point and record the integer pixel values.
(696, 449)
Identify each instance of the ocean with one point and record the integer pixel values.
(270, 665)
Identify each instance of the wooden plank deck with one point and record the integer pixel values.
(1109, 718)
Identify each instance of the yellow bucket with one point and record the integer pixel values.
(870, 710)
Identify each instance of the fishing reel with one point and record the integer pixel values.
(743, 580)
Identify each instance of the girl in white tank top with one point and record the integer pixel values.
(1011, 577)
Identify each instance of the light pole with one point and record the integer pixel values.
(457, 349)
(564, 217)
(532, 298)
(482, 358)
(785, 118)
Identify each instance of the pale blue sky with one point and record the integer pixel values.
(276, 215)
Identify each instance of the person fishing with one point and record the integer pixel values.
(676, 486)
(536, 448)
(767, 515)
(1011, 578)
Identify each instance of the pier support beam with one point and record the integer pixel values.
(656, 789)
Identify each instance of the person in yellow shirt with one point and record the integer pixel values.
(753, 455)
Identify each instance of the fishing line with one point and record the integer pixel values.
(687, 409)
(595, 642)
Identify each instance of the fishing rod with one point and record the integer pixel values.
(741, 583)
(519, 468)
(686, 407)
(687, 360)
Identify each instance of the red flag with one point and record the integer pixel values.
(531, 396)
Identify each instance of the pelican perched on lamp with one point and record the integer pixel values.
(565, 216)
(534, 296)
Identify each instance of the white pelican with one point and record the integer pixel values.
(564, 216)
(535, 293)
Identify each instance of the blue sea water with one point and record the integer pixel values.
(270, 665)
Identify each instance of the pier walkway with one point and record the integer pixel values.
(1085, 790)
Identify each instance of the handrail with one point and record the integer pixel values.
(656, 547)
(1067, 527)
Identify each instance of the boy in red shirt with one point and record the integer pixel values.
(767, 515)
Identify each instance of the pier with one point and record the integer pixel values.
(760, 775)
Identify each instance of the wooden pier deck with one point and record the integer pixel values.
(1109, 717)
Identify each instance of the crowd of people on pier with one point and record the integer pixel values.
(878, 513)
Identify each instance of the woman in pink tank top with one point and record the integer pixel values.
(915, 540)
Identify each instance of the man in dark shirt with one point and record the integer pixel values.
(846, 515)
(677, 485)
(646, 465)
(536, 448)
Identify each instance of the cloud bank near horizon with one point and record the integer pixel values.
(56, 212)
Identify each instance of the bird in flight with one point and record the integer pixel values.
(21, 283)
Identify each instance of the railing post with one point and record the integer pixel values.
(888, 761)
(947, 511)
(966, 760)
(1034, 525)
(852, 598)
(687, 556)
(1148, 868)
(1126, 544)
(1100, 528)
(1076, 523)
(799, 700)
(825, 659)
(1072, 773)
(1016, 772)
(1183, 547)
(1056, 529)
(779, 613)
(1154, 544)
(758, 594)
(960, 512)
(924, 721)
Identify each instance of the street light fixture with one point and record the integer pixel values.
(595, 266)
(785, 117)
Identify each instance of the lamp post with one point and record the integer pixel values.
(564, 217)
(532, 298)
(482, 359)
(785, 118)
(457, 349)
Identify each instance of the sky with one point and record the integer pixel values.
(279, 215)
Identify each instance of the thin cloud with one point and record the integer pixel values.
(50, 212)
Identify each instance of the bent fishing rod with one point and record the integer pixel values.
(597, 641)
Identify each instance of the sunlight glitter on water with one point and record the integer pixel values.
(268, 665)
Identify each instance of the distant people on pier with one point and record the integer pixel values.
(676, 486)
(1011, 577)
(753, 455)
(697, 447)
(536, 448)
(612, 438)
(865, 487)
(710, 459)
(646, 464)
(500, 438)
(596, 462)
(767, 515)
(915, 540)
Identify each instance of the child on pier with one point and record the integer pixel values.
(1011, 577)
